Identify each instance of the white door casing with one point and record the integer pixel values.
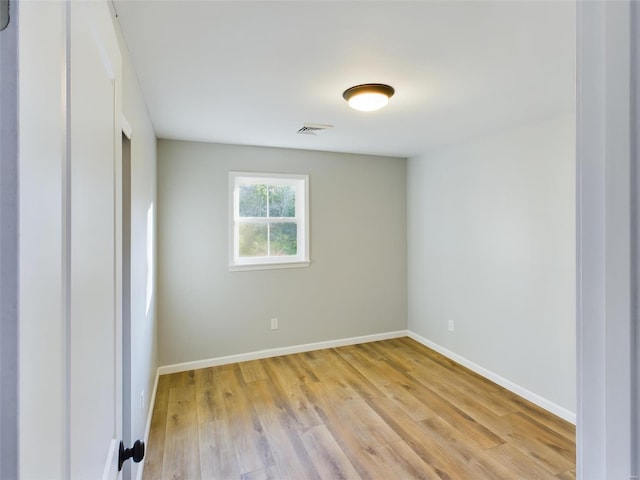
(607, 273)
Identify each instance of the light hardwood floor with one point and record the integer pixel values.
(384, 410)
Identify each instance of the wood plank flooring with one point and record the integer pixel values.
(384, 410)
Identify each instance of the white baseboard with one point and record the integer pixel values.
(495, 378)
(275, 352)
(147, 429)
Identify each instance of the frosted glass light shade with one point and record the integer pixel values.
(367, 102)
(368, 97)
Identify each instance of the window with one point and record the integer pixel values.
(269, 221)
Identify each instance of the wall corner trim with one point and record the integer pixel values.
(495, 378)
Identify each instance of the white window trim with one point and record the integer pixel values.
(302, 205)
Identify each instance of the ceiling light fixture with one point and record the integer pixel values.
(369, 96)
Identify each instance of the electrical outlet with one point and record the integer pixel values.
(451, 326)
(274, 324)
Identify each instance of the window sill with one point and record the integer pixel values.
(269, 266)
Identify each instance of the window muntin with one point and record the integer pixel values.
(269, 220)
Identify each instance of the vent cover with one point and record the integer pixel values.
(314, 129)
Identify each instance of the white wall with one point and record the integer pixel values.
(356, 284)
(143, 195)
(491, 247)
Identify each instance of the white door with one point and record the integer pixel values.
(69, 260)
(94, 235)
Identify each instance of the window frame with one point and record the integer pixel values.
(301, 259)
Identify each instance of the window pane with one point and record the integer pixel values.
(253, 201)
(253, 240)
(284, 239)
(282, 201)
(268, 220)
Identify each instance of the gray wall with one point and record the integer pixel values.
(491, 247)
(356, 284)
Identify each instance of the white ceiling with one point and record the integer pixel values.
(254, 72)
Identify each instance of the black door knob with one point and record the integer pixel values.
(136, 452)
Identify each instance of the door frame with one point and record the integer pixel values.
(607, 239)
(9, 246)
(126, 291)
(95, 18)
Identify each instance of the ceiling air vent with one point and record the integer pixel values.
(314, 129)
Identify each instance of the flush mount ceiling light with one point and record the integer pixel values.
(369, 96)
